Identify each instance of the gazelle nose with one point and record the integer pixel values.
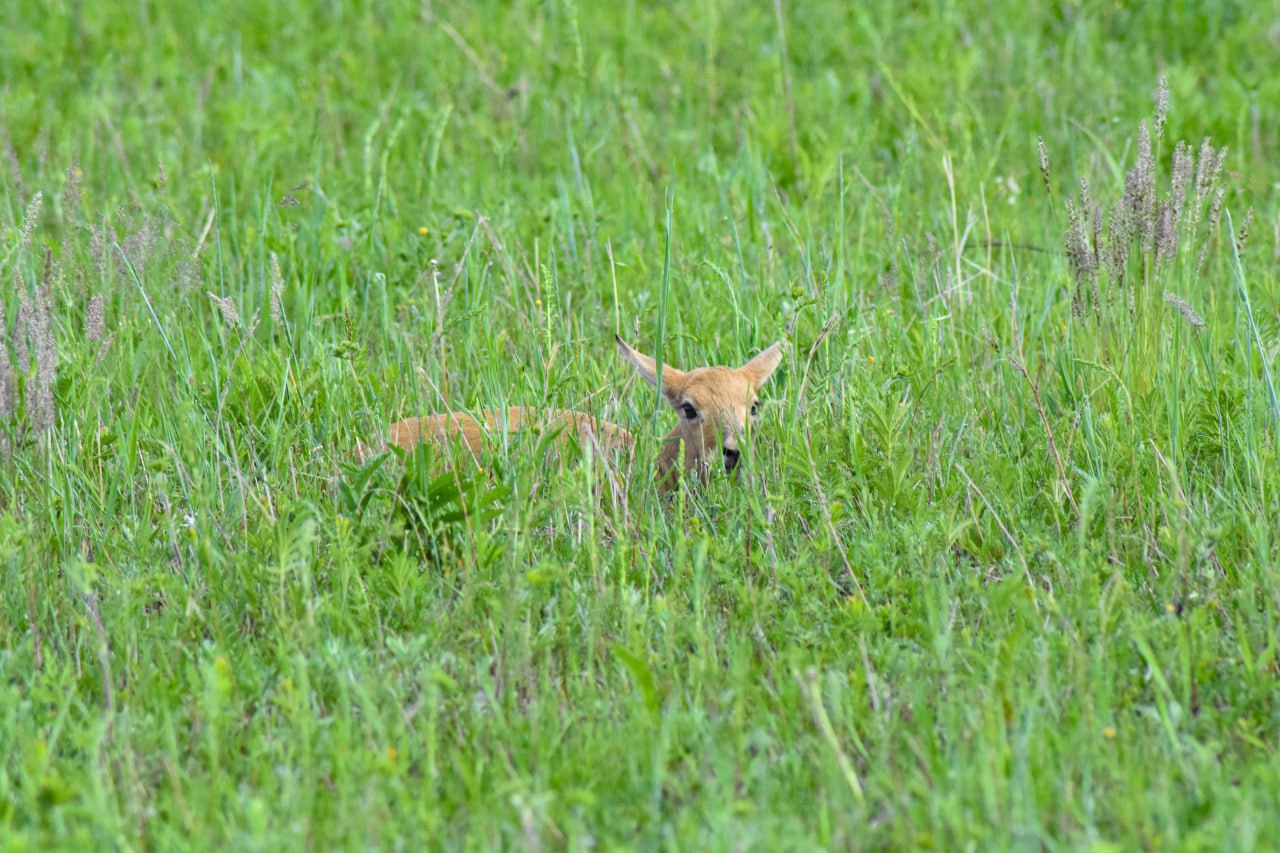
(731, 458)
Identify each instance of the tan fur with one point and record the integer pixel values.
(476, 437)
(721, 397)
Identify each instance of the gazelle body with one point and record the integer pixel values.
(715, 404)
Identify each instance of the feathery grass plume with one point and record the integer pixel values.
(187, 275)
(40, 407)
(1208, 169)
(6, 382)
(1080, 257)
(1245, 224)
(1182, 175)
(1044, 164)
(70, 201)
(93, 325)
(21, 324)
(230, 314)
(1140, 192)
(1184, 308)
(101, 239)
(102, 350)
(1166, 241)
(277, 291)
(1091, 215)
(1161, 98)
(29, 220)
(1096, 223)
(1215, 216)
(140, 246)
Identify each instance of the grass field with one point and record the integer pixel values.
(1002, 570)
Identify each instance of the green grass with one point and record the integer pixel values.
(1002, 575)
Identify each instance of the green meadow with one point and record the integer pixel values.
(1000, 569)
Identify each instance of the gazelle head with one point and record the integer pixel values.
(716, 406)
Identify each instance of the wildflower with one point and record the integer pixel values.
(1109, 733)
(423, 230)
(871, 358)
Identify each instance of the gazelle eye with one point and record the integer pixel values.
(690, 412)
(755, 408)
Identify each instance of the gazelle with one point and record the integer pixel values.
(715, 405)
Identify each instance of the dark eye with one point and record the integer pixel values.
(755, 408)
(690, 412)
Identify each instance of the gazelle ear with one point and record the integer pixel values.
(758, 370)
(648, 368)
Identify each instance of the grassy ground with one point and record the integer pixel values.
(1003, 573)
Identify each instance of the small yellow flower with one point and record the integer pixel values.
(392, 753)
(889, 311)
(871, 358)
(537, 302)
(1169, 608)
(422, 229)
(1109, 733)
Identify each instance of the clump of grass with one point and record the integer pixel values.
(1145, 251)
(27, 380)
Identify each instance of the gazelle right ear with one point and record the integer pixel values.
(647, 367)
(759, 369)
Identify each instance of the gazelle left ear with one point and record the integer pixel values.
(648, 368)
(758, 370)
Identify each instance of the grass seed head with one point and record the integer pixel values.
(230, 314)
(1184, 308)
(31, 218)
(1166, 239)
(1044, 164)
(21, 324)
(6, 371)
(93, 325)
(1162, 105)
(277, 291)
(70, 202)
(1245, 224)
(1215, 216)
